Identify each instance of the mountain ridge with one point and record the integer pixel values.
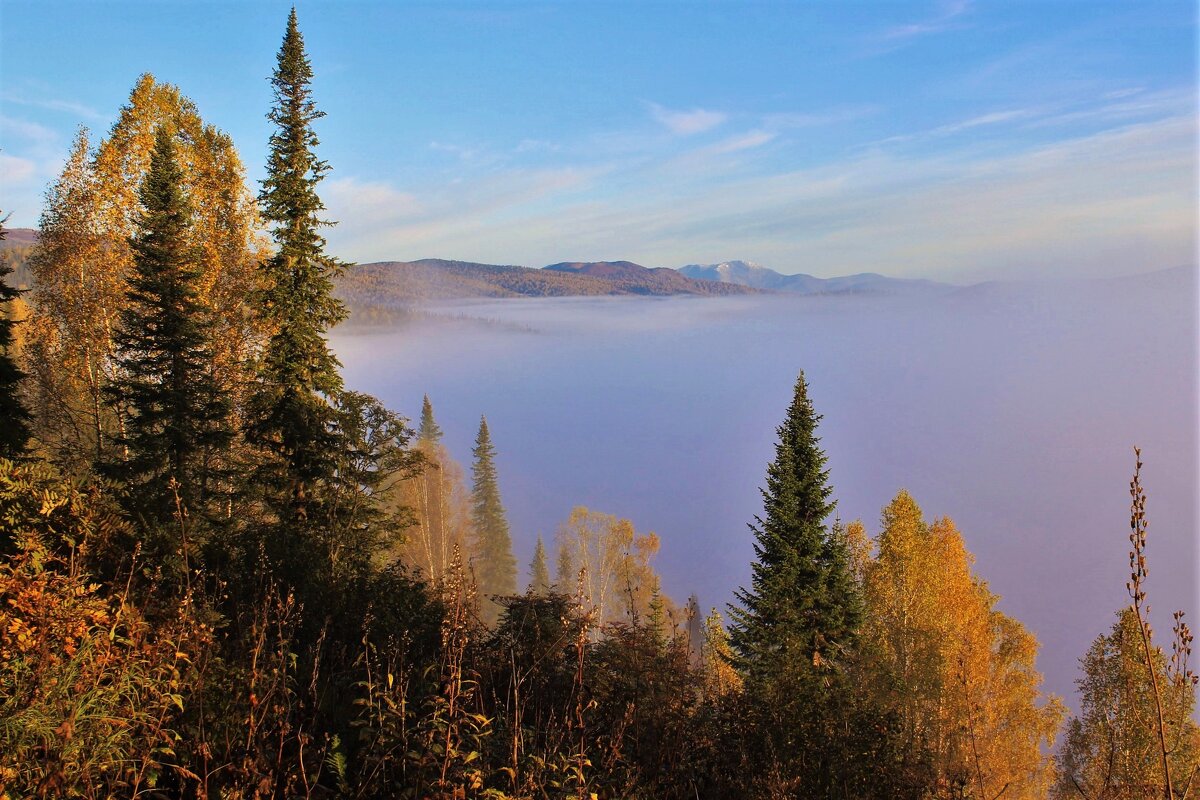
(748, 273)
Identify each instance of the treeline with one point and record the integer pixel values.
(225, 575)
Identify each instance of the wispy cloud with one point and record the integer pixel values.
(52, 104)
(686, 123)
(34, 155)
(1114, 109)
(30, 132)
(15, 170)
(536, 146)
(464, 153)
(745, 141)
(833, 116)
(458, 220)
(971, 123)
(370, 202)
(944, 20)
(1115, 201)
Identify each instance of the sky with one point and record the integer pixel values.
(956, 140)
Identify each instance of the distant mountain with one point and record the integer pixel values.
(17, 245)
(746, 273)
(19, 237)
(629, 278)
(398, 283)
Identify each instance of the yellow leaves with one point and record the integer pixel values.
(82, 261)
(967, 680)
(614, 563)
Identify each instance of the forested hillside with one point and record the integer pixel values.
(397, 283)
(226, 574)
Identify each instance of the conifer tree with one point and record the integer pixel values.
(803, 606)
(82, 263)
(566, 574)
(798, 621)
(429, 432)
(496, 569)
(291, 414)
(695, 630)
(15, 432)
(539, 571)
(176, 412)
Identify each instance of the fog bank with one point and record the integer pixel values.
(1011, 408)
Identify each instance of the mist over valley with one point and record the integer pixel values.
(1010, 407)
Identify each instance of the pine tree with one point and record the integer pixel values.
(15, 432)
(803, 607)
(82, 263)
(566, 574)
(695, 630)
(539, 571)
(176, 413)
(291, 414)
(430, 432)
(496, 570)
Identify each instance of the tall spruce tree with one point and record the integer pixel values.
(176, 425)
(292, 415)
(539, 570)
(429, 432)
(495, 566)
(803, 606)
(14, 433)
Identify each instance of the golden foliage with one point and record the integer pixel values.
(613, 564)
(89, 689)
(960, 675)
(440, 502)
(82, 262)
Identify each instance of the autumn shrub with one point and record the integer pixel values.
(646, 689)
(535, 686)
(90, 691)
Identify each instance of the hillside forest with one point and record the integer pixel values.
(226, 574)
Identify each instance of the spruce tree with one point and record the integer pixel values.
(14, 433)
(495, 567)
(803, 606)
(429, 432)
(291, 413)
(176, 421)
(539, 570)
(566, 576)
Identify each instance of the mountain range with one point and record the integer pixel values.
(398, 282)
(747, 273)
(390, 284)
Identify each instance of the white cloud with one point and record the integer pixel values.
(686, 123)
(457, 220)
(787, 120)
(949, 129)
(1112, 201)
(734, 144)
(464, 153)
(31, 132)
(942, 21)
(360, 203)
(51, 104)
(15, 170)
(536, 146)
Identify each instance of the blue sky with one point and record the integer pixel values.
(954, 140)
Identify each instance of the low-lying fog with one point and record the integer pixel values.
(1011, 408)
